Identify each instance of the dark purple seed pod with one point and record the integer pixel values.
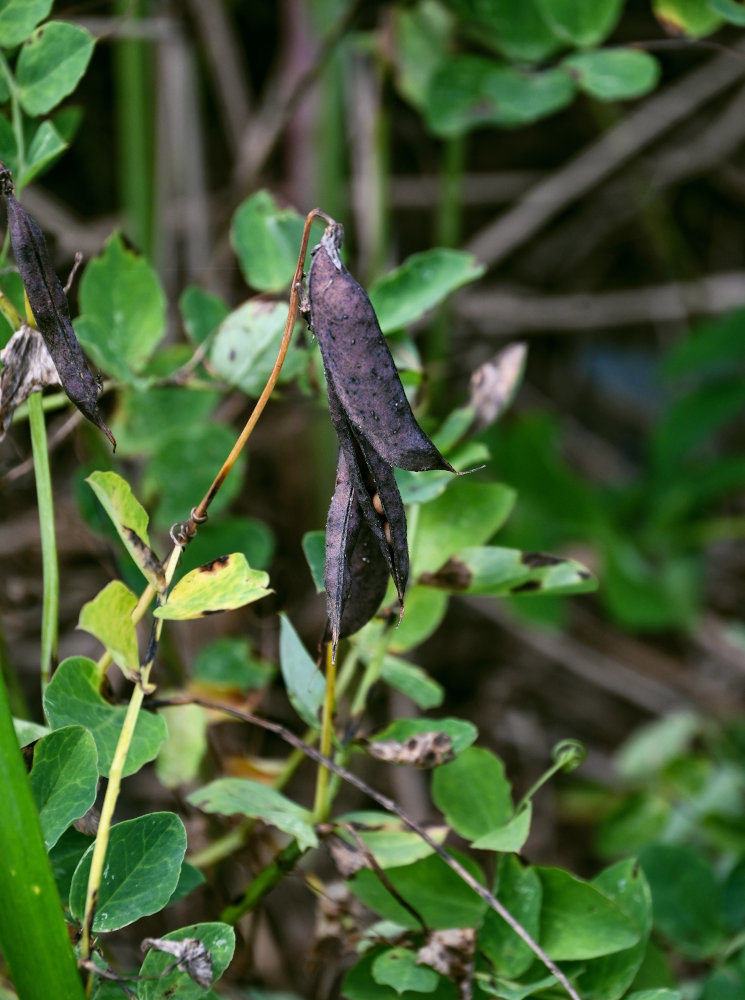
(356, 573)
(359, 363)
(49, 305)
(371, 476)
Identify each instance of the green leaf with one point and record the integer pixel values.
(496, 571)
(182, 753)
(515, 29)
(421, 36)
(123, 310)
(18, 18)
(730, 10)
(652, 746)
(578, 921)
(469, 91)
(267, 241)
(419, 284)
(64, 779)
(468, 513)
(359, 984)
(389, 840)
(638, 820)
(614, 74)
(306, 685)
(46, 145)
(202, 312)
(130, 519)
(145, 419)
(398, 967)
(224, 584)
(661, 994)
(519, 889)
(608, 977)
(461, 733)
(108, 617)
(247, 343)
(141, 871)
(231, 796)
(218, 938)
(65, 857)
(439, 895)
(687, 898)
(473, 793)
(582, 22)
(509, 837)
(73, 698)
(188, 880)
(26, 732)
(186, 468)
(412, 681)
(51, 64)
(229, 662)
(686, 17)
(419, 487)
(314, 550)
(8, 149)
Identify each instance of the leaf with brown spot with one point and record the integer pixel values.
(424, 750)
(221, 585)
(49, 305)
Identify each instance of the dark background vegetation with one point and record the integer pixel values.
(241, 95)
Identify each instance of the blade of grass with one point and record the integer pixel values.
(33, 934)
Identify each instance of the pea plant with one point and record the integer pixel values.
(411, 524)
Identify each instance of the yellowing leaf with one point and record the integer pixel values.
(130, 519)
(221, 585)
(108, 617)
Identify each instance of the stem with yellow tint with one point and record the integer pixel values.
(322, 804)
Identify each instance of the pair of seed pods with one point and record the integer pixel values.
(366, 526)
(49, 305)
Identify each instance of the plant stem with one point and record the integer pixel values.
(264, 882)
(322, 803)
(45, 502)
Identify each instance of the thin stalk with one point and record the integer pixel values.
(322, 803)
(45, 503)
(134, 118)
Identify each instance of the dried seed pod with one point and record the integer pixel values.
(49, 305)
(356, 573)
(371, 476)
(359, 363)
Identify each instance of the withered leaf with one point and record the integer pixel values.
(425, 750)
(451, 953)
(192, 957)
(49, 305)
(359, 363)
(27, 368)
(494, 384)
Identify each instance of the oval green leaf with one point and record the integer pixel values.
(473, 793)
(231, 796)
(467, 513)
(578, 921)
(686, 17)
(305, 684)
(390, 841)
(509, 837)
(614, 74)
(64, 779)
(141, 871)
(412, 681)
(267, 242)
(51, 64)
(398, 968)
(224, 584)
(73, 698)
(582, 22)
(18, 18)
(123, 310)
(422, 282)
(246, 344)
(519, 888)
(730, 10)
